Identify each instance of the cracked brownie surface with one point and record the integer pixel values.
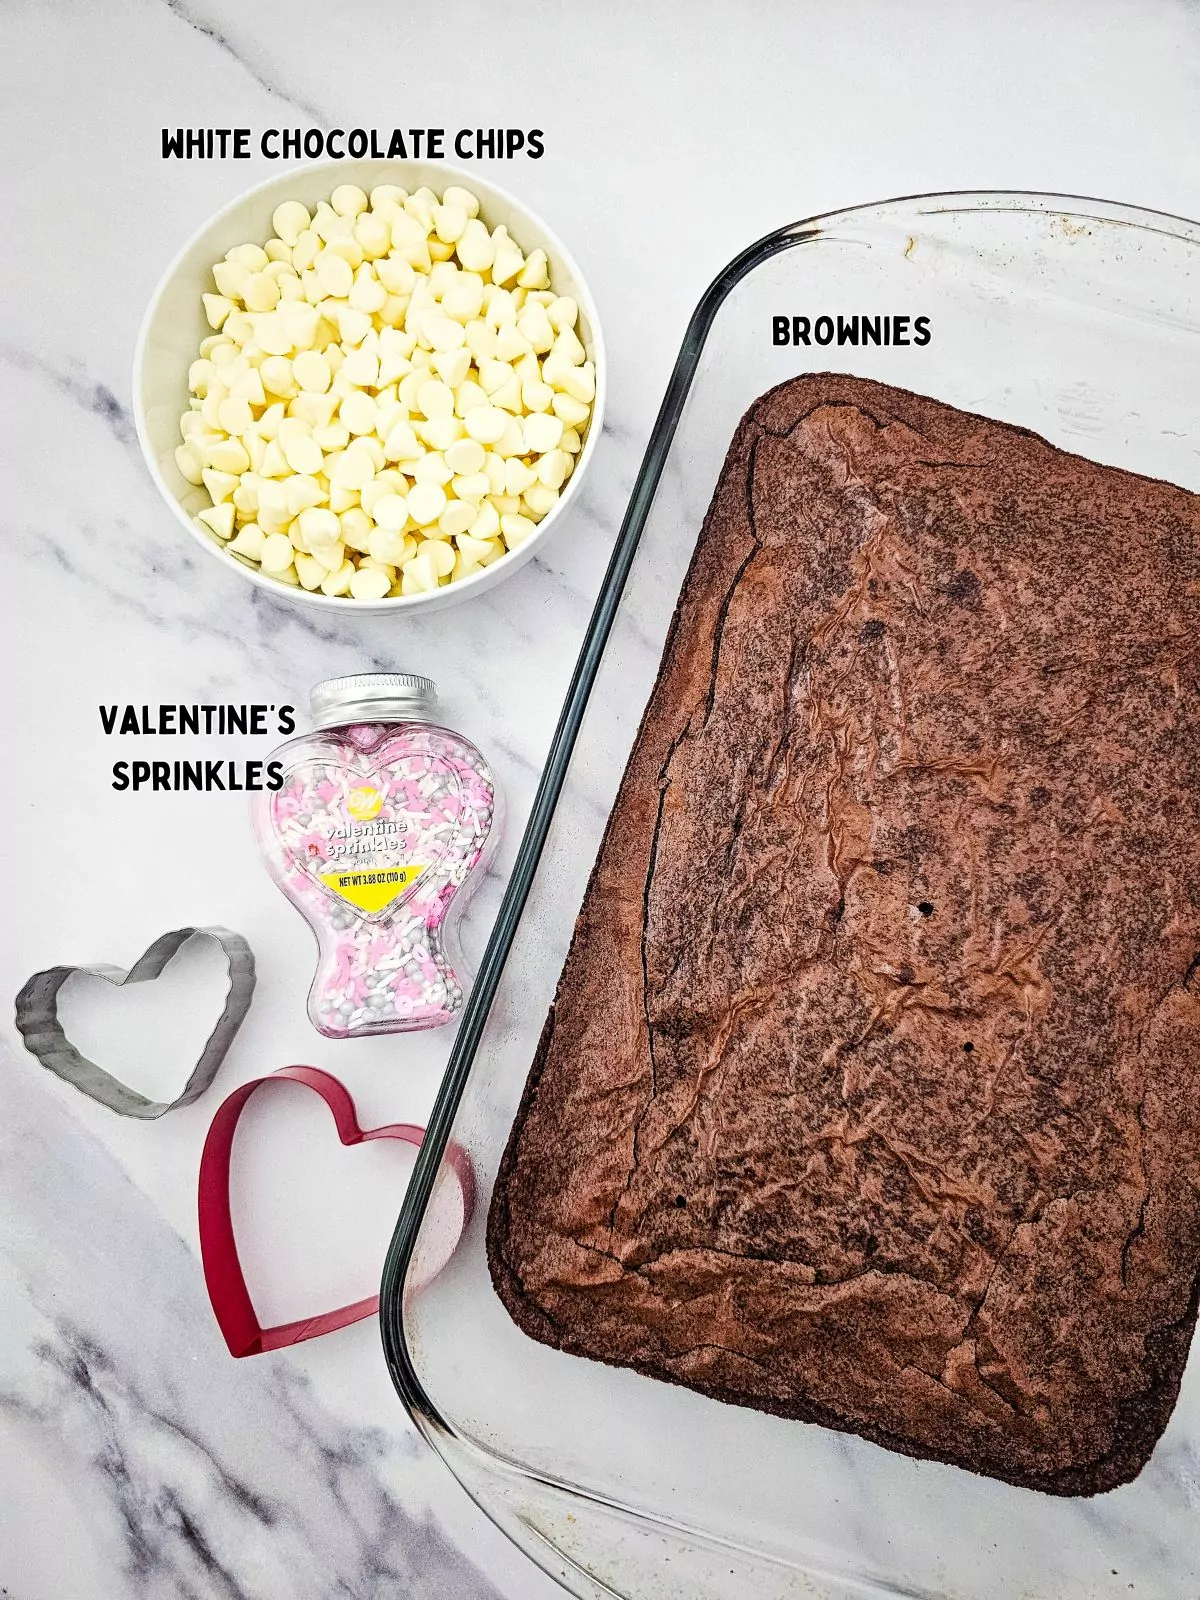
(868, 1095)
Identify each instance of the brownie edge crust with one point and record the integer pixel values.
(868, 1094)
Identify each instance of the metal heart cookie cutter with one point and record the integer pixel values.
(37, 1020)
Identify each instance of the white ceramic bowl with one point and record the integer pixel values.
(175, 324)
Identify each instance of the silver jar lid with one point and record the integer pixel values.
(372, 697)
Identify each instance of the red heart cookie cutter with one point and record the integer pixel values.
(218, 1248)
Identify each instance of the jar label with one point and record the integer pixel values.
(374, 830)
(372, 891)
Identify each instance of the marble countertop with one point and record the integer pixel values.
(136, 1458)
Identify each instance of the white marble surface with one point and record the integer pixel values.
(136, 1459)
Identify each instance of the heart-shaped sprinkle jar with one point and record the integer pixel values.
(380, 822)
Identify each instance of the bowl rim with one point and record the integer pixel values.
(466, 588)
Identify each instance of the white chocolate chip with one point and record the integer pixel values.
(579, 382)
(493, 466)
(373, 450)
(311, 371)
(474, 248)
(367, 293)
(261, 293)
(277, 553)
(439, 433)
(452, 366)
(357, 528)
(390, 511)
(402, 444)
(369, 584)
(199, 374)
(301, 493)
(440, 557)
(331, 556)
(426, 502)
(573, 413)
(220, 485)
(188, 460)
(534, 325)
(249, 541)
(539, 500)
(248, 385)
(517, 476)
(563, 314)
(487, 523)
(216, 309)
(332, 439)
(234, 415)
(338, 583)
(228, 455)
(449, 222)
(507, 258)
(465, 456)
(567, 348)
(231, 278)
(535, 273)
(252, 255)
(290, 219)
(467, 396)
(219, 519)
(374, 236)
(502, 308)
(353, 326)
(306, 249)
(554, 468)
(471, 486)
(433, 468)
(304, 455)
(357, 411)
(310, 571)
(334, 273)
(348, 200)
(389, 546)
(516, 529)
(481, 339)
(457, 518)
(511, 343)
(454, 196)
(486, 423)
(543, 432)
(387, 194)
(352, 469)
(435, 399)
(319, 526)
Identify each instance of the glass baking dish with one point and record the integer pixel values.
(1081, 320)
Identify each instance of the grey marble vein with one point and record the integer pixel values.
(77, 385)
(212, 1480)
(243, 56)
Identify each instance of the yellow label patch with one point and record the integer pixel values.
(372, 888)
(365, 803)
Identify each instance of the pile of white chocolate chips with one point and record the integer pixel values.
(393, 395)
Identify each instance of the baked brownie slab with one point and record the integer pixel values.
(869, 1094)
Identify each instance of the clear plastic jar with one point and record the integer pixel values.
(377, 835)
